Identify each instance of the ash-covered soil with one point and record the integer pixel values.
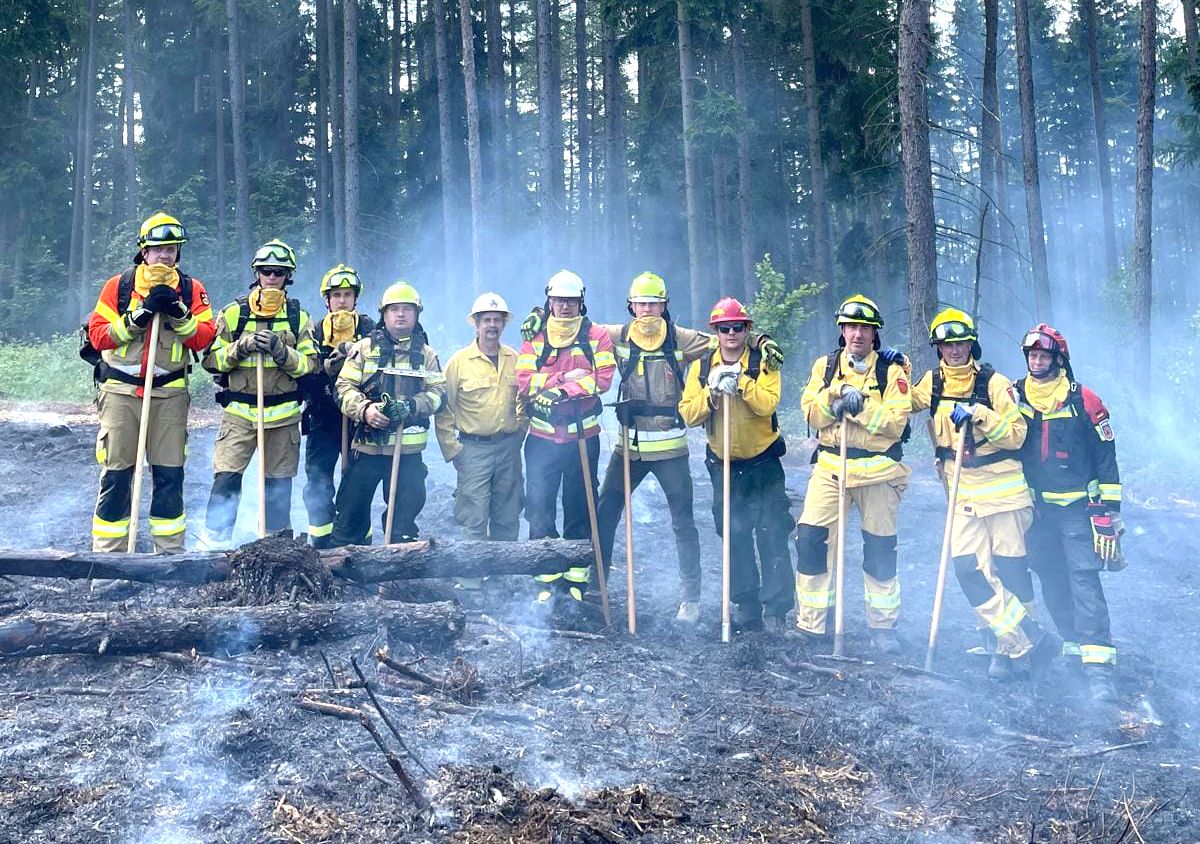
(523, 736)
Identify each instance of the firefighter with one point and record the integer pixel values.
(1070, 459)
(322, 421)
(482, 425)
(993, 510)
(759, 504)
(116, 344)
(561, 374)
(865, 392)
(266, 325)
(390, 411)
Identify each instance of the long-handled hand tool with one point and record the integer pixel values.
(726, 621)
(591, 506)
(943, 563)
(260, 429)
(393, 480)
(839, 634)
(345, 442)
(143, 431)
(630, 601)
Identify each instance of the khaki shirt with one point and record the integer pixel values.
(481, 398)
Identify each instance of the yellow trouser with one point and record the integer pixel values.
(236, 443)
(989, 561)
(816, 550)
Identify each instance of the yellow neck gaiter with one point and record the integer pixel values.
(1045, 396)
(152, 275)
(958, 380)
(266, 301)
(561, 332)
(339, 327)
(648, 332)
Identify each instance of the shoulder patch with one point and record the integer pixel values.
(1095, 408)
(1012, 393)
(902, 386)
(1105, 431)
(204, 298)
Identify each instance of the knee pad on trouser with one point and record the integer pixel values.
(110, 521)
(279, 504)
(974, 585)
(1014, 574)
(223, 504)
(812, 545)
(167, 523)
(879, 556)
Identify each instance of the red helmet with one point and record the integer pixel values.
(1048, 338)
(729, 309)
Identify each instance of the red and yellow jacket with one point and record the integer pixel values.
(541, 367)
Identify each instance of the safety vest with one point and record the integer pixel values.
(651, 386)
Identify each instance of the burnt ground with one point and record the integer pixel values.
(537, 738)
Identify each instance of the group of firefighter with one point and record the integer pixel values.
(1036, 481)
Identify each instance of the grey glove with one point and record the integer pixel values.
(727, 383)
(278, 350)
(262, 341)
(245, 346)
(852, 401)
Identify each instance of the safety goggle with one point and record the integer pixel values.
(343, 280)
(951, 331)
(276, 272)
(858, 310)
(272, 253)
(731, 327)
(1038, 340)
(166, 231)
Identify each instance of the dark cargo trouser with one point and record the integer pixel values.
(675, 478)
(548, 466)
(322, 448)
(352, 525)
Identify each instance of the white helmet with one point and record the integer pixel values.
(565, 284)
(489, 302)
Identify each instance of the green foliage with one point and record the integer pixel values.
(45, 371)
(780, 311)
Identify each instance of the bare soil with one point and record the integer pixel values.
(520, 735)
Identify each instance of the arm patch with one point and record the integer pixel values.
(1095, 408)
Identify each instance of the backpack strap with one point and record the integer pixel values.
(983, 378)
(831, 361)
(582, 340)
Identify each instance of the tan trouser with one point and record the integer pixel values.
(817, 550)
(116, 450)
(975, 544)
(490, 491)
(236, 443)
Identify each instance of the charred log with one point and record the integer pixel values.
(221, 629)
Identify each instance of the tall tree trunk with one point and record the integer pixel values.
(337, 153)
(822, 251)
(86, 292)
(128, 91)
(495, 102)
(216, 70)
(1144, 202)
(1189, 35)
(1103, 170)
(546, 106)
(325, 248)
(583, 127)
(1042, 304)
(446, 143)
(410, 82)
(557, 150)
(616, 207)
(350, 124)
(918, 175)
(989, 142)
(474, 159)
(397, 49)
(745, 215)
(720, 172)
(513, 111)
(696, 281)
(237, 110)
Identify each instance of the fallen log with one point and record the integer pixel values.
(221, 629)
(428, 558)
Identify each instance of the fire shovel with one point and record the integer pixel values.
(260, 425)
(143, 431)
(955, 475)
(726, 621)
(839, 635)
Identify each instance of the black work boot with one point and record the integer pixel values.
(1046, 646)
(807, 638)
(1000, 666)
(885, 642)
(1100, 682)
(748, 618)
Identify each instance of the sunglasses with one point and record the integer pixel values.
(275, 272)
(1037, 340)
(166, 231)
(857, 310)
(951, 331)
(732, 327)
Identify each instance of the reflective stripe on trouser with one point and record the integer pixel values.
(573, 581)
(1062, 555)
(989, 562)
(758, 515)
(675, 478)
(116, 450)
(322, 449)
(352, 525)
(816, 547)
(490, 491)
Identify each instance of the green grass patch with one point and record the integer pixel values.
(46, 371)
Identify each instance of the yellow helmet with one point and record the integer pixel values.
(274, 253)
(859, 310)
(341, 277)
(161, 229)
(401, 293)
(955, 326)
(648, 287)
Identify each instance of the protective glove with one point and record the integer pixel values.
(245, 346)
(852, 399)
(140, 318)
(771, 353)
(1107, 528)
(543, 403)
(892, 356)
(962, 414)
(396, 410)
(532, 324)
(161, 299)
(262, 341)
(728, 383)
(717, 373)
(278, 350)
(336, 359)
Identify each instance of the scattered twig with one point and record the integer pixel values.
(1110, 749)
(800, 665)
(386, 720)
(360, 765)
(332, 677)
(1002, 732)
(408, 671)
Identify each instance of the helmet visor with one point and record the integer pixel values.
(952, 332)
(165, 232)
(275, 255)
(858, 311)
(342, 280)
(1038, 340)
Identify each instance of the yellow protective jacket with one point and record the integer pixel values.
(481, 398)
(649, 384)
(992, 480)
(361, 384)
(751, 416)
(281, 392)
(873, 436)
